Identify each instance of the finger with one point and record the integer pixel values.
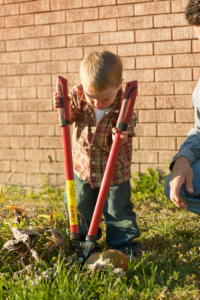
(55, 94)
(114, 130)
(188, 184)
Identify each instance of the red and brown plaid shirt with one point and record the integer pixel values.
(92, 143)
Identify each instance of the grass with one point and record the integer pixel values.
(167, 269)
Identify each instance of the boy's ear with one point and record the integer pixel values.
(120, 85)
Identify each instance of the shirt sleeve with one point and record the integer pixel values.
(132, 123)
(191, 147)
(74, 104)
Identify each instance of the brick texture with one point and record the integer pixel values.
(41, 39)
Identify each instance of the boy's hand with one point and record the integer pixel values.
(56, 100)
(123, 135)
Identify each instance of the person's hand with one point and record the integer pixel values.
(56, 101)
(181, 173)
(123, 135)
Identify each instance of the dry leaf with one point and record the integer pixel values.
(26, 235)
(59, 240)
(9, 177)
(16, 246)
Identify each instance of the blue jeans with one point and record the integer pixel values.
(121, 226)
(192, 200)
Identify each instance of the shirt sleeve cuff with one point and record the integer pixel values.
(188, 153)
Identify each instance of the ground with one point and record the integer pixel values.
(167, 268)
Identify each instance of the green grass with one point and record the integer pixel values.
(168, 267)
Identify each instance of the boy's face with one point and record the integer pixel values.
(103, 99)
(197, 30)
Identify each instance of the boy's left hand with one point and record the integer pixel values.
(123, 135)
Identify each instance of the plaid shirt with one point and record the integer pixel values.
(92, 143)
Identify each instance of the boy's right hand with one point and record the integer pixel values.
(56, 100)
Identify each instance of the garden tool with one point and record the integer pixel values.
(83, 249)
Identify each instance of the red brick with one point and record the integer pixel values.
(24, 142)
(63, 4)
(5, 166)
(111, 48)
(170, 20)
(173, 74)
(9, 58)
(53, 168)
(17, 178)
(185, 88)
(58, 131)
(67, 53)
(180, 141)
(4, 142)
(19, 45)
(157, 88)
(7, 10)
(3, 118)
(196, 73)
(135, 143)
(145, 130)
(2, 22)
(135, 49)
(196, 46)
(3, 73)
(51, 142)
(134, 169)
(39, 130)
(83, 40)
(166, 156)
(118, 37)
(179, 5)
(16, 21)
(22, 118)
(174, 129)
(131, 1)
(9, 34)
(9, 82)
(153, 62)
(14, 1)
(158, 167)
(145, 103)
(144, 156)
(12, 154)
(183, 33)
(115, 11)
(40, 155)
(34, 7)
(135, 23)
(11, 130)
(153, 35)
(189, 60)
(185, 116)
(100, 26)
(174, 102)
(35, 31)
(172, 47)
(36, 80)
(27, 167)
(152, 8)
(3, 94)
(50, 42)
(21, 93)
(35, 105)
(20, 69)
(59, 154)
(34, 56)
(128, 63)
(50, 17)
(82, 14)
(2, 47)
(157, 143)
(61, 180)
(51, 67)
(67, 28)
(48, 118)
(37, 180)
(73, 78)
(74, 65)
(156, 116)
(45, 92)
(140, 75)
(90, 3)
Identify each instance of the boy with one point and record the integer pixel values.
(182, 186)
(95, 107)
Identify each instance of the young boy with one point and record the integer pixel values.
(95, 107)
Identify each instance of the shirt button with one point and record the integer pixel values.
(92, 115)
(92, 131)
(93, 174)
(93, 162)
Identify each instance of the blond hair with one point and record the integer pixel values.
(100, 70)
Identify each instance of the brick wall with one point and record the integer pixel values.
(44, 38)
